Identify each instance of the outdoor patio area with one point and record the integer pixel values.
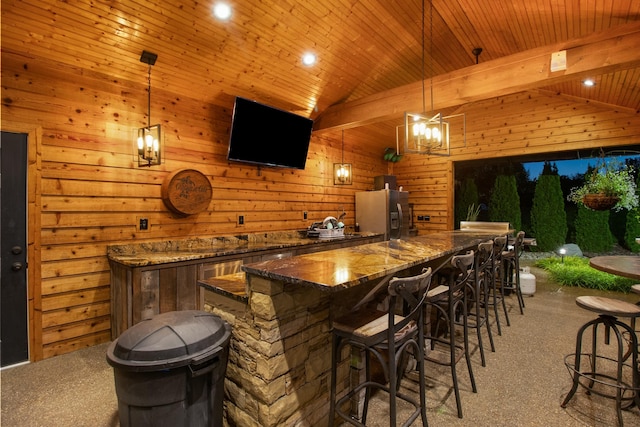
(523, 384)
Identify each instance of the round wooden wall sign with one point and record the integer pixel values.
(186, 192)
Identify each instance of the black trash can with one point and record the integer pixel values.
(169, 370)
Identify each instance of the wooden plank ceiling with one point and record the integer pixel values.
(363, 47)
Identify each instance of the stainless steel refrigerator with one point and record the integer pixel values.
(383, 211)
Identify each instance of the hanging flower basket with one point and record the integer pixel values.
(611, 185)
(599, 201)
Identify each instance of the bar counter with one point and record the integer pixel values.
(172, 251)
(279, 364)
(155, 277)
(344, 268)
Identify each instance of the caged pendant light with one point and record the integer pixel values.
(149, 140)
(425, 133)
(342, 171)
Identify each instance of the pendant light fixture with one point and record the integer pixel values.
(342, 171)
(149, 139)
(425, 132)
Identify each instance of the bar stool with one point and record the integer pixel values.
(511, 277)
(495, 281)
(479, 295)
(450, 301)
(625, 383)
(390, 337)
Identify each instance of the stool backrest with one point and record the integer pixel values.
(484, 258)
(464, 270)
(412, 291)
(519, 243)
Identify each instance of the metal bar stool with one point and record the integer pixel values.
(496, 296)
(479, 298)
(449, 301)
(390, 336)
(621, 380)
(511, 277)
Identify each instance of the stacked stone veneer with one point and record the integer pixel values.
(280, 356)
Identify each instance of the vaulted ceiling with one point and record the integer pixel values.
(366, 49)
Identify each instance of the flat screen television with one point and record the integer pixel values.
(265, 135)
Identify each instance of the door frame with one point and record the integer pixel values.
(34, 226)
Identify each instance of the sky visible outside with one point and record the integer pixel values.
(569, 167)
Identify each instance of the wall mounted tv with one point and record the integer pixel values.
(265, 135)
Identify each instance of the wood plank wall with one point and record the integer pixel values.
(92, 194)
(524, 123)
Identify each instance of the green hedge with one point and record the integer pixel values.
(504, 204)
(592, 230)
(548, 217)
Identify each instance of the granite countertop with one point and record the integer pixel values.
(344, 268)
(168, 251)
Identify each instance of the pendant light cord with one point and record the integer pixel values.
(149, 100)
(430, 49)
(424, 102)
(342, 165)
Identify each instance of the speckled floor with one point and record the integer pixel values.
(523, 384)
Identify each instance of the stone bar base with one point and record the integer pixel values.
(280, 354)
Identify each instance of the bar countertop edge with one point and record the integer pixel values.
(344, 268)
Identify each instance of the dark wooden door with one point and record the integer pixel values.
(14, 344)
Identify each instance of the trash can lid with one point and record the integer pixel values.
(169, 340)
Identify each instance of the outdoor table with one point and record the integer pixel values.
(621, 265)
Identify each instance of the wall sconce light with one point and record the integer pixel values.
(149, 139)
(342, 171)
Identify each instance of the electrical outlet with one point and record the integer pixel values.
(427, 218)
(142, 223)
(240, 219)
(420, 217)
(304, 215)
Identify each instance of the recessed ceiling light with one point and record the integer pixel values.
(308, 59)
(222, 11)
(588, 82)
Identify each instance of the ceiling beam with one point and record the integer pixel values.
(604, 52)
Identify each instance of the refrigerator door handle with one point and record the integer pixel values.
(400, 225)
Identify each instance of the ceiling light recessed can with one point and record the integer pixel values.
(308, 59)
(588, 82)
(222, 11)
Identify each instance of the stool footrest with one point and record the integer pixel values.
(593, 378)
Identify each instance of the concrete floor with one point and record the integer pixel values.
(523, 384)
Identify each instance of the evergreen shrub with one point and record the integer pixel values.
(504, 203)
(592, 230)
(548, 218)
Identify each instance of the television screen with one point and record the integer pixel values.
(268, 136)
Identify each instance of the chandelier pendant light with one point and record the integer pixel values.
(342, 171)
(149, 139)
(425, 133)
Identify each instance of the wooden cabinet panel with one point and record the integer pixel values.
(167, 289)
(186, 290)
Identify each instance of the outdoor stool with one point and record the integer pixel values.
(496, 295)
(613, 375)
(511, 277)
(391, 336)
(449, 301)
(479, 295)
